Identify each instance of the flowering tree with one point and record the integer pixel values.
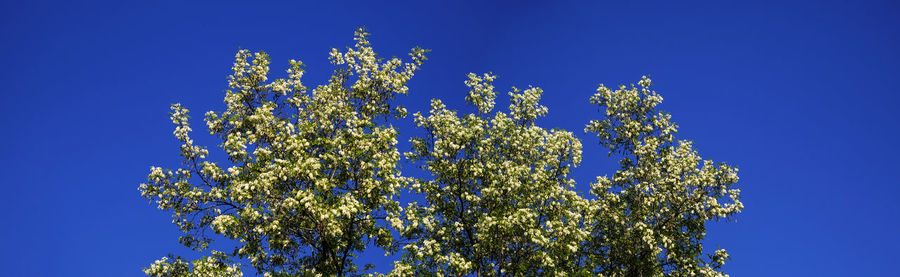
(500, 201)
(312, 175)
(650, 218)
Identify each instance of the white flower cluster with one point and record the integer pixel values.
(215, 265)
(482, 92)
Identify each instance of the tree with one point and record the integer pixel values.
(312, 175)
(500, 201)
(650, 218)
(312, 178)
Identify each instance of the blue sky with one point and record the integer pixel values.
(798, 94)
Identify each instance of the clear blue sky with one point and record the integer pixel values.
(801, 96)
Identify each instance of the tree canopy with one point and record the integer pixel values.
(313, 177)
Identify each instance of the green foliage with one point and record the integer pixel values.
(312, 178)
